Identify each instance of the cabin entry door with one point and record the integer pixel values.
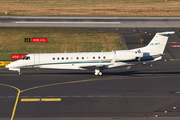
(36, 59)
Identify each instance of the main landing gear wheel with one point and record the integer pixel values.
(98, 72)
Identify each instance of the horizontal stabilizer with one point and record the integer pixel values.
(166, 33)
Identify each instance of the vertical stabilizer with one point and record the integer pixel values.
(158, 43)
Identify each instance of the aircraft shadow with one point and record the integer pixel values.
(107, 73)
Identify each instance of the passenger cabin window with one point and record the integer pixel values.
(104, 57)
(53, 58)
(99, 57)
(93, 57)
(62, 58)
(77, 58)
(57, 58)
(82, 57)
(66, 58)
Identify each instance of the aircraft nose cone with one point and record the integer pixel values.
(7, 66)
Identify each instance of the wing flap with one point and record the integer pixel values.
(93, 67)
(98, 66)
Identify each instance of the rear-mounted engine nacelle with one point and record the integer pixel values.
(125, 55)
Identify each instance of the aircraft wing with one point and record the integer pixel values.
(93, 67)
(99, 66)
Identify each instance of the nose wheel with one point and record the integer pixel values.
(98, 72)
(19, 72)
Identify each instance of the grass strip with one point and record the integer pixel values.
(90, 7)
(59, 40)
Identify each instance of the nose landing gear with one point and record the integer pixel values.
(19, 72)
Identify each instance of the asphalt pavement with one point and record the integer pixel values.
(139, 93)
(128, 22)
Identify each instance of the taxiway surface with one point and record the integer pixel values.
(128, 22)
(142, 91)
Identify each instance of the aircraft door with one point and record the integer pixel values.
(36, 59)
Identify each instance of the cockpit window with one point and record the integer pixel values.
(26, 58)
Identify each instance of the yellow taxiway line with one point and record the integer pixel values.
(39, 99)
(50, 99)
(30, 99)
(174, 59)
(41, 86)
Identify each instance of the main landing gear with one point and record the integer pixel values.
(98, 72)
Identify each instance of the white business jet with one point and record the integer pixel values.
(95, 61)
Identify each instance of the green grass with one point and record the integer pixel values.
(90, 7)
(59, 40)
(2, 67)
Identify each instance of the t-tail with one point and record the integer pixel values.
(97, 61)
(157, 44)
(155, 49)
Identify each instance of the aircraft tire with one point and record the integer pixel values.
(96, 73)
(100, 73)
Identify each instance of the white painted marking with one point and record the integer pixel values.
(69, 22)
(69, 17)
